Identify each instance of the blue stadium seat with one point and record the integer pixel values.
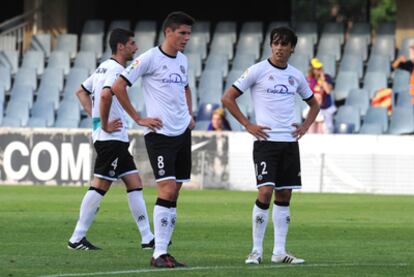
(205, 110)
(92, 43)
(359, 99)
(345, 81)
(348, 115)
(377, 115)
(59, 59)
(35, 60)
(67, 43)
(41, 42)
(371, 129)
(402, 121)
(10, 60)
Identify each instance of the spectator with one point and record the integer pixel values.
(219, 121)
(321, 85)
(402, 63)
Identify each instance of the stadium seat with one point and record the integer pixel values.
(402, 121)
(356, 46)
(197, 44)
(36, 122)
(404, 99)
(48, 93)
(344, 128)
(345, 81)
(74, 80)
(68, 110)
(300, 61)
(92, 43)
(210, 88)
(217, 62)
(308, 29)
(222, 44)
(304, 46)
(359, 99)
(348, 115)
(201, 28)
(352, 63)
(26, 76)
(17, 110)
(66, 123)
(22, 93)
(144, 41)
(146, 28)
(248, 44)
(85, 60)
(52, 77)
(384, 46)
(67, 43)
(379, 63)
(2, 96)
(243, 61)
(202, 125)
(94, 26)
(44, 110)
(371, 129)
(59, 59)
(5, 78)
(404, 47)
(11, 122)
(373, 81)
(386, 29)
(195, 62)
(41, 42)
(137, 96)
(361, 30)
(377, 115)
(252, 29)
(330, 44)
(233, 75)
(35, 60)
(329, 64)
(335, 29)
(10, 60)
(227, 28)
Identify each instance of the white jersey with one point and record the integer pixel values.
(164, 79)
(104, 76)
(273, 92)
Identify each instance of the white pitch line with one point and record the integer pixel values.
(200, 268)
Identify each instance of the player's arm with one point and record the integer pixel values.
(301, 129)
(120, 91)
(229, 101)
(85, 100)
(189, 99)
(104, 108)
(398, 61)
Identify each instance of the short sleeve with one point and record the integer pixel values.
(303, 88)
(87, 85)
(246, 80)
(140, 66)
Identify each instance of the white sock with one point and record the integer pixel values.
(161, 230)
(139, 212)
(281, 219)
(260, 218)
(173, 219)
(88, 209)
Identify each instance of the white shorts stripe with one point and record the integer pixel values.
(165, 178)
(128, 173)
(105, 177)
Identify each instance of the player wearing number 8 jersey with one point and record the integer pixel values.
(113, 160)
(164, 73)
(274, 85)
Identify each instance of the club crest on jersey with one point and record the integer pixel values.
(161, 172)
(291, 80)
(111, 173)
(182, 68)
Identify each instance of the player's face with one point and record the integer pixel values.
(281, 51)
(179, 37)
(130, 49)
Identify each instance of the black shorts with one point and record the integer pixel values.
(277, 164)
(113, 160)
(170, 157)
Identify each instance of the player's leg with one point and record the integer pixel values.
(288, 178)
(265, 184)
(88, 210)
(162, 154)
(138, 208)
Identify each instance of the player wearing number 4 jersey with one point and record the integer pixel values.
(274, 85)
(164, 74)
(113, 160)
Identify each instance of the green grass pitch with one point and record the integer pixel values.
(337, 235)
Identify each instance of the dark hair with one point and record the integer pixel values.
(175, 19)
(284, 35)
(119, 36)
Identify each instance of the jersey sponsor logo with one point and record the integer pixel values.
(174, 78)
(280, 89)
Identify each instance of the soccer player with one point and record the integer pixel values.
(164, 72)
(113, 160)
(274, 84)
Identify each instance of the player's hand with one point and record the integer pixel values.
(192, 124)
(402, 58)
(151, 122)
(299, 131)
(113, 126)
(258, 131)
